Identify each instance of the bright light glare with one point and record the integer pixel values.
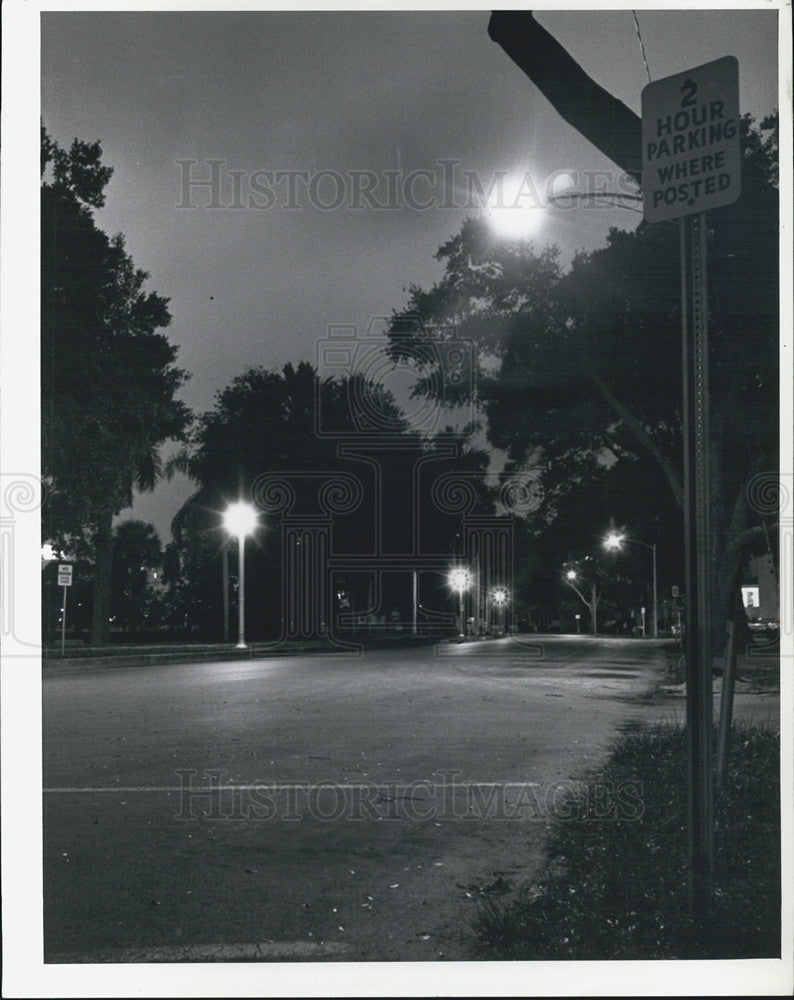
(514, 206)
(239, 519)
(459, 579)
(571, 574)
(563, 184)
(613, 540)
(500, 596)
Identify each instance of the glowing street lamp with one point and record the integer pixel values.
(500, 600)
(513, 207)
(239, 520)
(586, 576)
(614, 543)
(460, 579)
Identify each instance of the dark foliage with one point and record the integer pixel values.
(108, 376)
(617, 888)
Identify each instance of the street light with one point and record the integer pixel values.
(500, 600)
(586, 575)
(240, 519)
(513, 207)
(459, 579)
(613, 543)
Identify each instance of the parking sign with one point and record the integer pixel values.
(691, 157)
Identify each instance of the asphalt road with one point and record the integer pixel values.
(317, 807)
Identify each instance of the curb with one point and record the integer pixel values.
(106, 661)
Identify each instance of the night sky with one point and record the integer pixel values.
(343, 92)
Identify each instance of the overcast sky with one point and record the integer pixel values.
(340, 92)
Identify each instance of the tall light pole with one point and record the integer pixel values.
(614, 542)
(240, 519)
(500, 600)
(459, 579)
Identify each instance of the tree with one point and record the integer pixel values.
(266, 422)
(136, 550)
(582, 369)
(584, 577)
(262, 422)
(108, 377)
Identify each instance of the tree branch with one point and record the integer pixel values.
(744, 539)
(598, 115)
(581, 595)
(638, 429)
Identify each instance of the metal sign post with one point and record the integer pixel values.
(65, 581)
(691, 162)
(694, 312)
(63, 621)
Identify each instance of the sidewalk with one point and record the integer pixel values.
(757, 691)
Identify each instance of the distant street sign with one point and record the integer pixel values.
(65, 575)
(691, 157)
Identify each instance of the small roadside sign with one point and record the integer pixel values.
(691, 155)
(64, 575)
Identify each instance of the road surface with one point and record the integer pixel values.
(317, 807)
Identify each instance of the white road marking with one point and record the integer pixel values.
(282, 787)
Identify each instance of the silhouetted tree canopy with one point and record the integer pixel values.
(108, 376)
(277, 423)
(584, 367)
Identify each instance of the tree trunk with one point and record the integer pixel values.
(726, 705)
(103, 556)
(225, 584)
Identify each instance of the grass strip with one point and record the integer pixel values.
(615, 884)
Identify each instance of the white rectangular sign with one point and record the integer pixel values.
(691, 155)
(64, 575)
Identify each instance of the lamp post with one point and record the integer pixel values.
(614, 542)
(500, 600)
(459, 579)
(240, 519)
(587, 575)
